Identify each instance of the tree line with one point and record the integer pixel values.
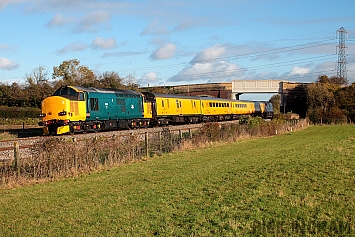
(39, 86)
(327, 100)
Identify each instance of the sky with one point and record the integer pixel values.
(178, 42)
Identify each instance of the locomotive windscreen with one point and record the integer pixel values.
(69, 93)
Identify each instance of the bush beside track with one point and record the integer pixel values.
(19, 113)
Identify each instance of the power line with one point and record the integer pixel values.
(265, 66)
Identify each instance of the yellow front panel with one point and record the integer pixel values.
(53, 105)
(262, 106)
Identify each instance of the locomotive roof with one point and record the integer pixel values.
(105, 90)
(151, 95)
(170, 95)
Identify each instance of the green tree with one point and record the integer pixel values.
(70, 72)
(275, 100)
(332, 80)
(111, 80)
(323, 106)
(346, 100)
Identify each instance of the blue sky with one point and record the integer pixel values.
(177, 42)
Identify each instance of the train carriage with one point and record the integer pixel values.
(173, 108)
(216, 109)
(242, 108)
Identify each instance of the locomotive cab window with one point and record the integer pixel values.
(69, 92)
(81, 96)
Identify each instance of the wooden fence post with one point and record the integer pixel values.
(190, 133)
(146, 144)
(160, 145)
(132, 144)
(17, 157)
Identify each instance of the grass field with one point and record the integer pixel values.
(296, 184)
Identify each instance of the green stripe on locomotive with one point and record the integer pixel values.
(113, 104)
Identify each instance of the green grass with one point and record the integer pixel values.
(296, 184)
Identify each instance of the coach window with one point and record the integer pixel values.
(177, 104)
(162, 103)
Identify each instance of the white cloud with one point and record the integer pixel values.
(187, 24)
(7, 64)
(60, 20)
(299, 71)
(122, 54)
(73, 47)
(211, 53)
(155, 28)
(4, 47)
(150, 76)
(211, 72)
(101, 43)
(148, 79)
(91, 21)
(4, 3)
(165, 52)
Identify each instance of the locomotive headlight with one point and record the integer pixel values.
(62, 113)
(42, 115)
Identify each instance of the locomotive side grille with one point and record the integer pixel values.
(74, 108)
